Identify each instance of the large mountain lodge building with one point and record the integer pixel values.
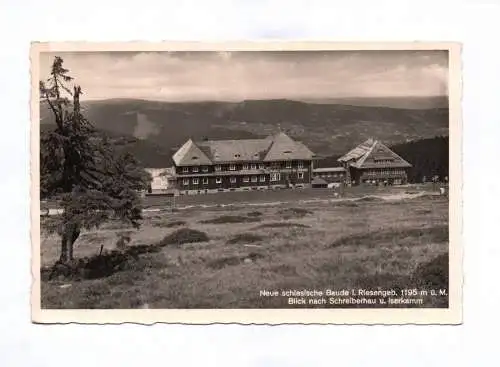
(277, 162)
(235, 165)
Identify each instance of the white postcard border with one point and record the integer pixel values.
(450, 316)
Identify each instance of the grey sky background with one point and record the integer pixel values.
(234, 76)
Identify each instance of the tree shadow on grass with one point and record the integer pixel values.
(98, 266)
(106, 264)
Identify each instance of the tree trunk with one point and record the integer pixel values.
(71, 232)
(64, 248)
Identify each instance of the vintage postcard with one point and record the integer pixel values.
(251, 183)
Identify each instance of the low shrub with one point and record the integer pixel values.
(254, 256)
(176, 223)
(98, 266)
(184, 235)
(254, 214)
(436, 234)
(294, 213)
(283, 225)
(244, 238)
(137, 250)
(101, 265)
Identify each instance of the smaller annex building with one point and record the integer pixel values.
(162, 180)
(332, 175)
(319, 183)
(372, 162)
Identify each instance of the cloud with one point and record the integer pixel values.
(144, 127)
(437, 71)
(256, 75)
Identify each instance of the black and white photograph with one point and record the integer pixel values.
(296, 180)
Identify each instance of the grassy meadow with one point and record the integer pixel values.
(223, 256)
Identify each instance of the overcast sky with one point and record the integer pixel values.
(181, 76)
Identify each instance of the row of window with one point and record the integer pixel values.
(245, 166)
(385, 172)
(274, 177)
(330, 174)
(194, 169)
(394, 181)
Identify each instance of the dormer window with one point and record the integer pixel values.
(256, 155)
(287, 151)
(194, 158)
(237, 155)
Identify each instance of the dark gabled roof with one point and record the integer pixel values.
(273, 148)
(235, 150)
(283, 148)
(190, 154)
(373, 154)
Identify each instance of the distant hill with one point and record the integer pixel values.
(328, 129)
(411, 103)
(148, 153)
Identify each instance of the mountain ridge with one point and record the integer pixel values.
(327, 129)
(396, 102)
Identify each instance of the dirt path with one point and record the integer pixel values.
(389, 196)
